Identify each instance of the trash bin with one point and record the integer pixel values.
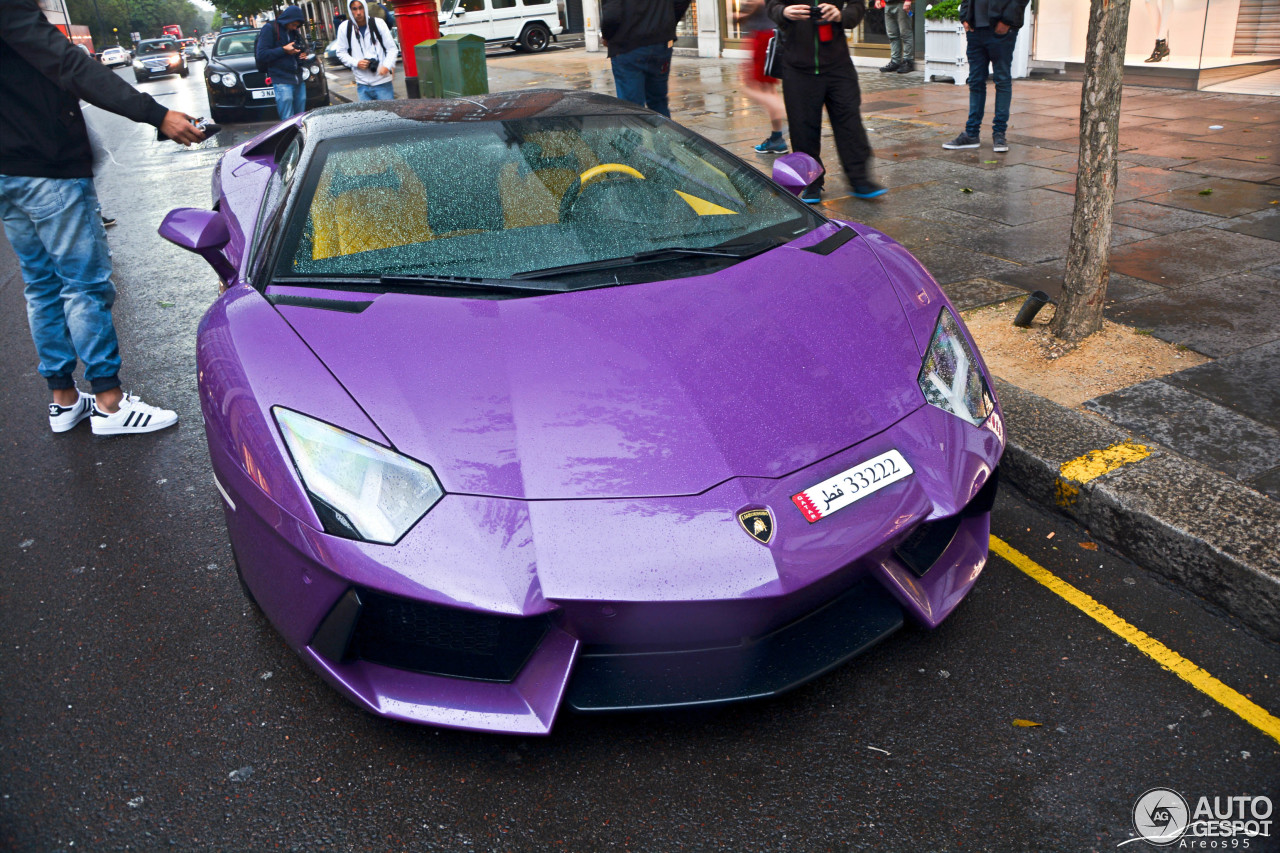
(452, 66)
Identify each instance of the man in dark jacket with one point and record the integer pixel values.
(281, 49)
(50, 213)
(817, 72)
(991, 30)
(640, 35)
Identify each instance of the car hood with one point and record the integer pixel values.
(665, 388)
(242, 63)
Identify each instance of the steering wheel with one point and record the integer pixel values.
(592, 176)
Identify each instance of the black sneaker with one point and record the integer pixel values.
(998, 144)
(964, 140)
(810, 195)
(906, 68)
(893, 65)
(868, 189)
(107, 221)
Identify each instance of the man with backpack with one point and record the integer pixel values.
(280, 51)
(365, 45)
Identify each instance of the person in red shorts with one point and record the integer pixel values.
(759, 87)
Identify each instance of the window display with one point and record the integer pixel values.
(687, 28)
(1175, 34)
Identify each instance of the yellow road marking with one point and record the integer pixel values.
(916, 121)
(1094, 464)
(1253, 714)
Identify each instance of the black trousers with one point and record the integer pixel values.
(805, 94)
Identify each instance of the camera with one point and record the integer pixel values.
(204, 125)
(815, 13)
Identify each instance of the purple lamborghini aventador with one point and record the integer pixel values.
(539, 399)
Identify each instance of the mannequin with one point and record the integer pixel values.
(1160, 11)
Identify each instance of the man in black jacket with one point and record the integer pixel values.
(640, 35)
(50, 213)
(281, 49)
(817, 72)
(991, 30)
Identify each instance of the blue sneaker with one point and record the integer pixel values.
(868, 189)
(809, 195)
(773, 146)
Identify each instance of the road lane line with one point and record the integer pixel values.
(1253, 714)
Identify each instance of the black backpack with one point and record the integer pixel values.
(373, 31)
(257, 60)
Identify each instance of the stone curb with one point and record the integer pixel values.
(1200, 529)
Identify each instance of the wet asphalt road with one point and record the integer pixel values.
(145, 705)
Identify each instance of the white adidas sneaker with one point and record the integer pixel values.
(63, 418)
(133, 416)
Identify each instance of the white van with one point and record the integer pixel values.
(522, 24)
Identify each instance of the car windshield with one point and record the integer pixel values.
(446, 6)
(236, 44)
(526, 198)
(159, 46)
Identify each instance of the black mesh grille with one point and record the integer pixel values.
(414, 635)
(254, 80)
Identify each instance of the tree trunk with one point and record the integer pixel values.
(1088, 257)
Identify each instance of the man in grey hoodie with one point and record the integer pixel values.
(366, 46)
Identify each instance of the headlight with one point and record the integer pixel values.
(359, 489)
(315, 69)
(950, 378)
(229, 79)
(306, 73)
(137, 63)
(174, 60)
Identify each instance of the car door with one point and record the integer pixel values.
(471, 17)
(508, 19)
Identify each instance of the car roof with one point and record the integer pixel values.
(356, 118)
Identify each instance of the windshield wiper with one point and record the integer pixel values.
(737, 251)
(417, 283)
(458, 282)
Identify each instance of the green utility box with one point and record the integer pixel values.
(452, 66)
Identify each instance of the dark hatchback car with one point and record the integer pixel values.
(238, 91)
(158, 57)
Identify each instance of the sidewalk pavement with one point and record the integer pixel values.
(1195, 262)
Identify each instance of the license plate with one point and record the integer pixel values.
(853, 485)
(258, 94)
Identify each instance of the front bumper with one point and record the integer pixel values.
(604, 578)
(162, 71)
(238, 105)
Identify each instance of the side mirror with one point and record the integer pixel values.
(796, 171)
(203, 232)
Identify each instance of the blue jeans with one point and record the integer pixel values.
(380, 92)
(55, 229)
(986, 48)
(291, 99)
(640, 76)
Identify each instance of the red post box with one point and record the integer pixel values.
(417, 21)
